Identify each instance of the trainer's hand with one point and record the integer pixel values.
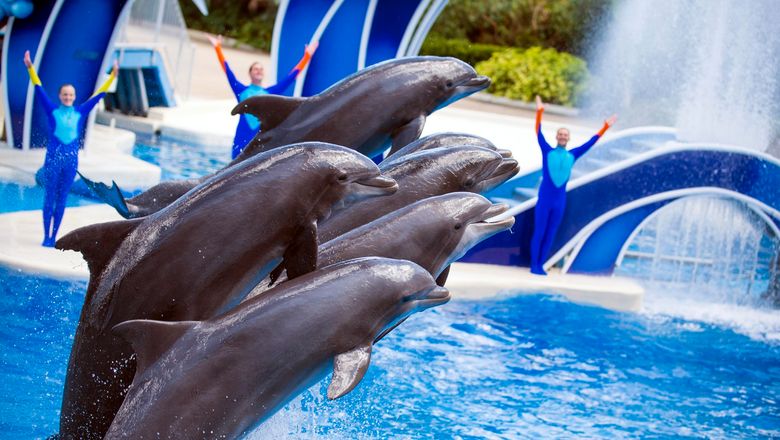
(27, 60)
(215, 41)
(539, 104)
(611, 120)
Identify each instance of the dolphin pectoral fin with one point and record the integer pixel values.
(110, 195)
(301, 256)
(442, 278)
(271, 110)
(348, 370)
(408, 133)
(276, 273)
(98, 243)
(150, 339)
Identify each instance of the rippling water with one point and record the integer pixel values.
(519, 367)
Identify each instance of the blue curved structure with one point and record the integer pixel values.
(63, 51)
(605, 207)
(390, 29)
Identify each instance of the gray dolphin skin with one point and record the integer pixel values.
(421, 175)
(440, 140)
(197, 258)
(383, 105)
(226, 375)
(433, 233)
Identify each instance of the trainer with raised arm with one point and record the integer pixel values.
(248, 125)
(66, 136)
(556, 170)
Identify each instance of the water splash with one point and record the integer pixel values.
(707, 260)
(708, 67)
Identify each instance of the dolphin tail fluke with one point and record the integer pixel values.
(348, 370)
(111, 195)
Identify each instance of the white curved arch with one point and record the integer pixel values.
(760, 213)
(277, 35)
(622, 165)
(410, 28)
(425, 26)
(367, 25)
(9, 128)
(578, 240)
(316, 37)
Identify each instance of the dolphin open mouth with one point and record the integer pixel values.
(365, 188)
(488, 223)
(507, 154)
(507, 169)
(466, 88)
(474, 84)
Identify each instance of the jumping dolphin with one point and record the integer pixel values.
(387, 102)
(421, 175)
(383, 105)
(196, 258)
(226, 375)
(433, 233)
(443, 140)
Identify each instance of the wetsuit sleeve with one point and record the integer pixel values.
(90, 103)
(235, 85)
(539, 136)
(282, 85)
(582, 149)
(220, 57)
(44, 99)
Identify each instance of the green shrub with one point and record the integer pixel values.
(557, 77)
(471, 53)
(248, 21)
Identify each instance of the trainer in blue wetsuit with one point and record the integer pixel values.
(551, 202)
(248, 125)
(66, 135)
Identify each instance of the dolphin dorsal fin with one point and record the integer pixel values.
(271, 110)
(99, 242)
(150, 339)
(348, 370)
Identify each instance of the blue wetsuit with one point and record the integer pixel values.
(551, 202)
(66, 137)
(248, 125)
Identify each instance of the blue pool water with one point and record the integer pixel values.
(518, 367)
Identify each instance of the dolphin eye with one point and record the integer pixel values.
(458, 226)
(449, 84)
(342, 177)
(468, 183)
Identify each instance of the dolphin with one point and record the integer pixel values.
(446, 139)
(198, 257)
(383, 105)
(421, 175)
(433, 233)
(226, 375)
(367, 111)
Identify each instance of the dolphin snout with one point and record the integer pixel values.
(478, 82)
(381, 184)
